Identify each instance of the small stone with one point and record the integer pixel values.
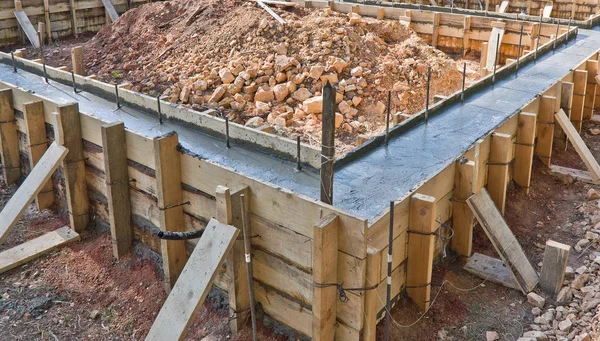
(565, 325)
(217, 94)
(536, 335)
(226, 76)
(594, 131)
(255, 122)
(281, 49)
(302, 94)
(284, 62)
(564, 295)
(536, 311)
(316, 71)
(281, 121)
(592, 194)
(264, 94)
(589, 305)
(313, 105)
(491, 335)
(357, 71)
(356, 100)
(536, 300)
(339, 119)
(331, 77)
(262, 107)
(580, 281)
(94, 314)
(281, 91)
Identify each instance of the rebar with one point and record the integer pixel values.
(496, 58)
(117, 96)
(227, 132)
(387, 117)
(462, 94)
(427, 95)
(519, 48)
(160, 121)
(298, 165)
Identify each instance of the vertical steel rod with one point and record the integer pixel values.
(568, 29)
(427, 95)
(248, 256)
(227, 132)
(462, 94)
(73, 80)
(327, 143)
(537, 42)
(14, 62)
(298, 166)
(42, 55)
(117, 96)
(160, 121)
(388, 298)
(387, 117)
(556, 36)
(496, 57)
(519, 48)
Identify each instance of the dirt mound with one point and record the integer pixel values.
(232, 55)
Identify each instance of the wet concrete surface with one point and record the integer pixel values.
(364, 186)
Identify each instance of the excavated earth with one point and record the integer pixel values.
(235, 57)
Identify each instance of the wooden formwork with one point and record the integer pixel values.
(58, 16)
(579, 12)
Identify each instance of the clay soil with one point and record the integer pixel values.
(161, 48)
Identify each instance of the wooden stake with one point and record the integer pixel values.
(371, 298)
(579, 90)
(325, 249)
(248, 258)
(566, 102)
(579, 145)
(9, 142)
(524, 148)
(466, 34)
(462, 217)
(436, 28)
(114, 146)
(327, 143)
(47, 20)
(77, 60)
(556, 256)
(500, 155)
(37, 143)
(68, 133)
(170, 199)
(420, 249)
(590, 93)
(73, 18)
(545, 129)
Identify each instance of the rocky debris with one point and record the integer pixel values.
(536, 300)
(491, 336)
(575, 314)
(235, 57)
(592, 194)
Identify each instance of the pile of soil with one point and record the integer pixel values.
(234, 56)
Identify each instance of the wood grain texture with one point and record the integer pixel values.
(194, 283)
(9, 142)
(556, 256)
(579, 144)
(37, 143)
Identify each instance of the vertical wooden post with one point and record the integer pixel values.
(579, 89)
(73, 18)
(328, 143)
(237, 289)
(566, 101)
(381, 13)
(483, 59)
(78, 65)
(68, 133)
(421, 240)
(545, 129)
(42, 33)
(590, 93)
(373, 264)
(9, 142)
(524, 148)
(114, 146)
(500, 154)
(597, 100)
(47, 20)
(170, 199)
(436, 29)
(325, 249)
(37, 143)
(466, 34)
(554, 266)
(462, 217)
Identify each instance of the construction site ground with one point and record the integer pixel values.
(80, 292)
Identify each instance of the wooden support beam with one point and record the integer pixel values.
(501, 148)
(170, 200)
(237, 289)
(483, 58)
(566, 101)
(590, 93)
(436, 28)
(421, 240)
(114, 146)
(371, 297)
(73, 10)
(47, 20)
(524, 148)
(494, 45)
(28, 28)
(503, 240)
(545, 129)
(37, 143)
(42, 32)
(195, 282)
(325, 250)
(77, 61)
(32, 185)
(30, 250)
(554, 266)
(579, 145)
(579, 89)
(68, 133)
(9, 142)
(462, 217)
(381, 13)
(466, 34)
(110, 11)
